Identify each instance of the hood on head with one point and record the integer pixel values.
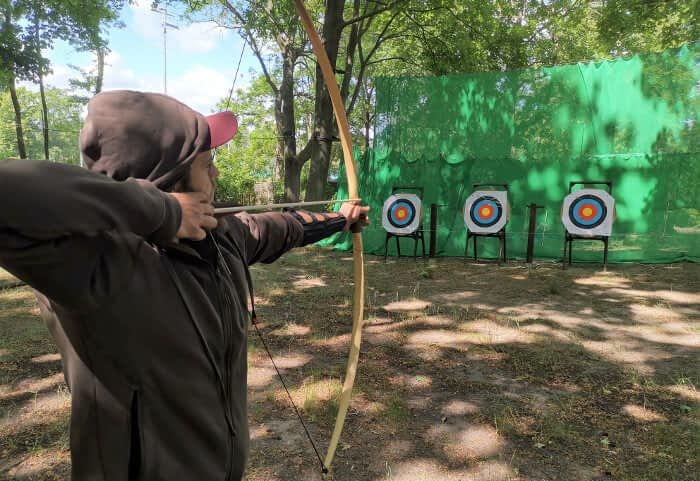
(148, 136)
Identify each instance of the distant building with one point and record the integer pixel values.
(264, 192)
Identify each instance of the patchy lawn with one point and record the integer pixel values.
(472, 372)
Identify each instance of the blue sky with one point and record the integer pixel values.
(201, 59)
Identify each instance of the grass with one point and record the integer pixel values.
(395, 412)
(537, 402)
(32, 432)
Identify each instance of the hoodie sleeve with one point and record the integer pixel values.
(267, 236)
(264, 237)
(45, 200)
(61, 227)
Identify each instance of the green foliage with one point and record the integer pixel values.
(629, 26)
(250, 157)
(64, 121)
(457, 36)
(30, 26)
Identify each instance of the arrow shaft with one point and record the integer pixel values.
(241, 208)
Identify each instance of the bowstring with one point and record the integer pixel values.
(284, 384)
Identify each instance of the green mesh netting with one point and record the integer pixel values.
(631, 121)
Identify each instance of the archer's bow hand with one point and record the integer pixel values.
(355, 215)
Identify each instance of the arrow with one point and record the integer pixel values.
(241, 208)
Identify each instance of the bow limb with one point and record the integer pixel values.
(358, 257)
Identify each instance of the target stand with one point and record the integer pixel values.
(402, 216)
(486, 215)
(588, 214)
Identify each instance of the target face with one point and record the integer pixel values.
(486, 211)
(402, 213)
(588, 212)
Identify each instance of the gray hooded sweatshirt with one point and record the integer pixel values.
(152, 333)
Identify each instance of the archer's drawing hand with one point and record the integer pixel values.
(197, 215)
(356, 216)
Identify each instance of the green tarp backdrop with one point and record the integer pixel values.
(633, 121)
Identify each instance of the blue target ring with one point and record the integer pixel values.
(401, 213)
(486, 211)
(588, 211)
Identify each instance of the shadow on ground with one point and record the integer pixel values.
(467, 372)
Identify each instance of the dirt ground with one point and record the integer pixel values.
(468, 371)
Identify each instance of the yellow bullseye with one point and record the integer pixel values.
(587, 212)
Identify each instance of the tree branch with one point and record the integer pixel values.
(253, 44)
(372, 13)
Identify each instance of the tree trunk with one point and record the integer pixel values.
(286, 129)
(320, 156)
(100, 70)
(21, 149)
(368, 128)
(44, 116)
(292, 180)
(325, 126)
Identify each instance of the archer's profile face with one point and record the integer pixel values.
(202, 174)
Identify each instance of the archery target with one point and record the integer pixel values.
(588, 212)
(486, 211)
(402, 213)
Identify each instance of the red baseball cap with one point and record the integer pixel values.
(222, 128)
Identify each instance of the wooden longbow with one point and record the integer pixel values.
(358, 298)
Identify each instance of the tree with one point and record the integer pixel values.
(91, 79)
(248, 159)
(63, 115)
(274, 26)
(631, 26)
(366, 39)
(457, 36)
(30, 26)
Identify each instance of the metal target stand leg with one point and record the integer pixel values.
(415, 236)
(605, 254)
(502, 242)
(569, 240)
(502, 252)
(408, 222)
(386, 246)
(486, 214)
(596, 224)
(571, 248)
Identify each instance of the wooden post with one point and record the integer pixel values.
(531, 231)
(433, 229)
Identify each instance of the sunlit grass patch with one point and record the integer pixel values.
(322, 400)
(395, 411)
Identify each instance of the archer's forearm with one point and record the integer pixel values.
(44, 200)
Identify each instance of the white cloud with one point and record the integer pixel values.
(59, 77)
(201, 37)
(200, 88)
(197, 85)
(146, 23)
(120, 76)
(198, 37)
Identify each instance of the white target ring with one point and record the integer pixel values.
(486, 211)
(402, 214)
(588, 212)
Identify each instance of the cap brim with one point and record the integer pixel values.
(222, 128)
